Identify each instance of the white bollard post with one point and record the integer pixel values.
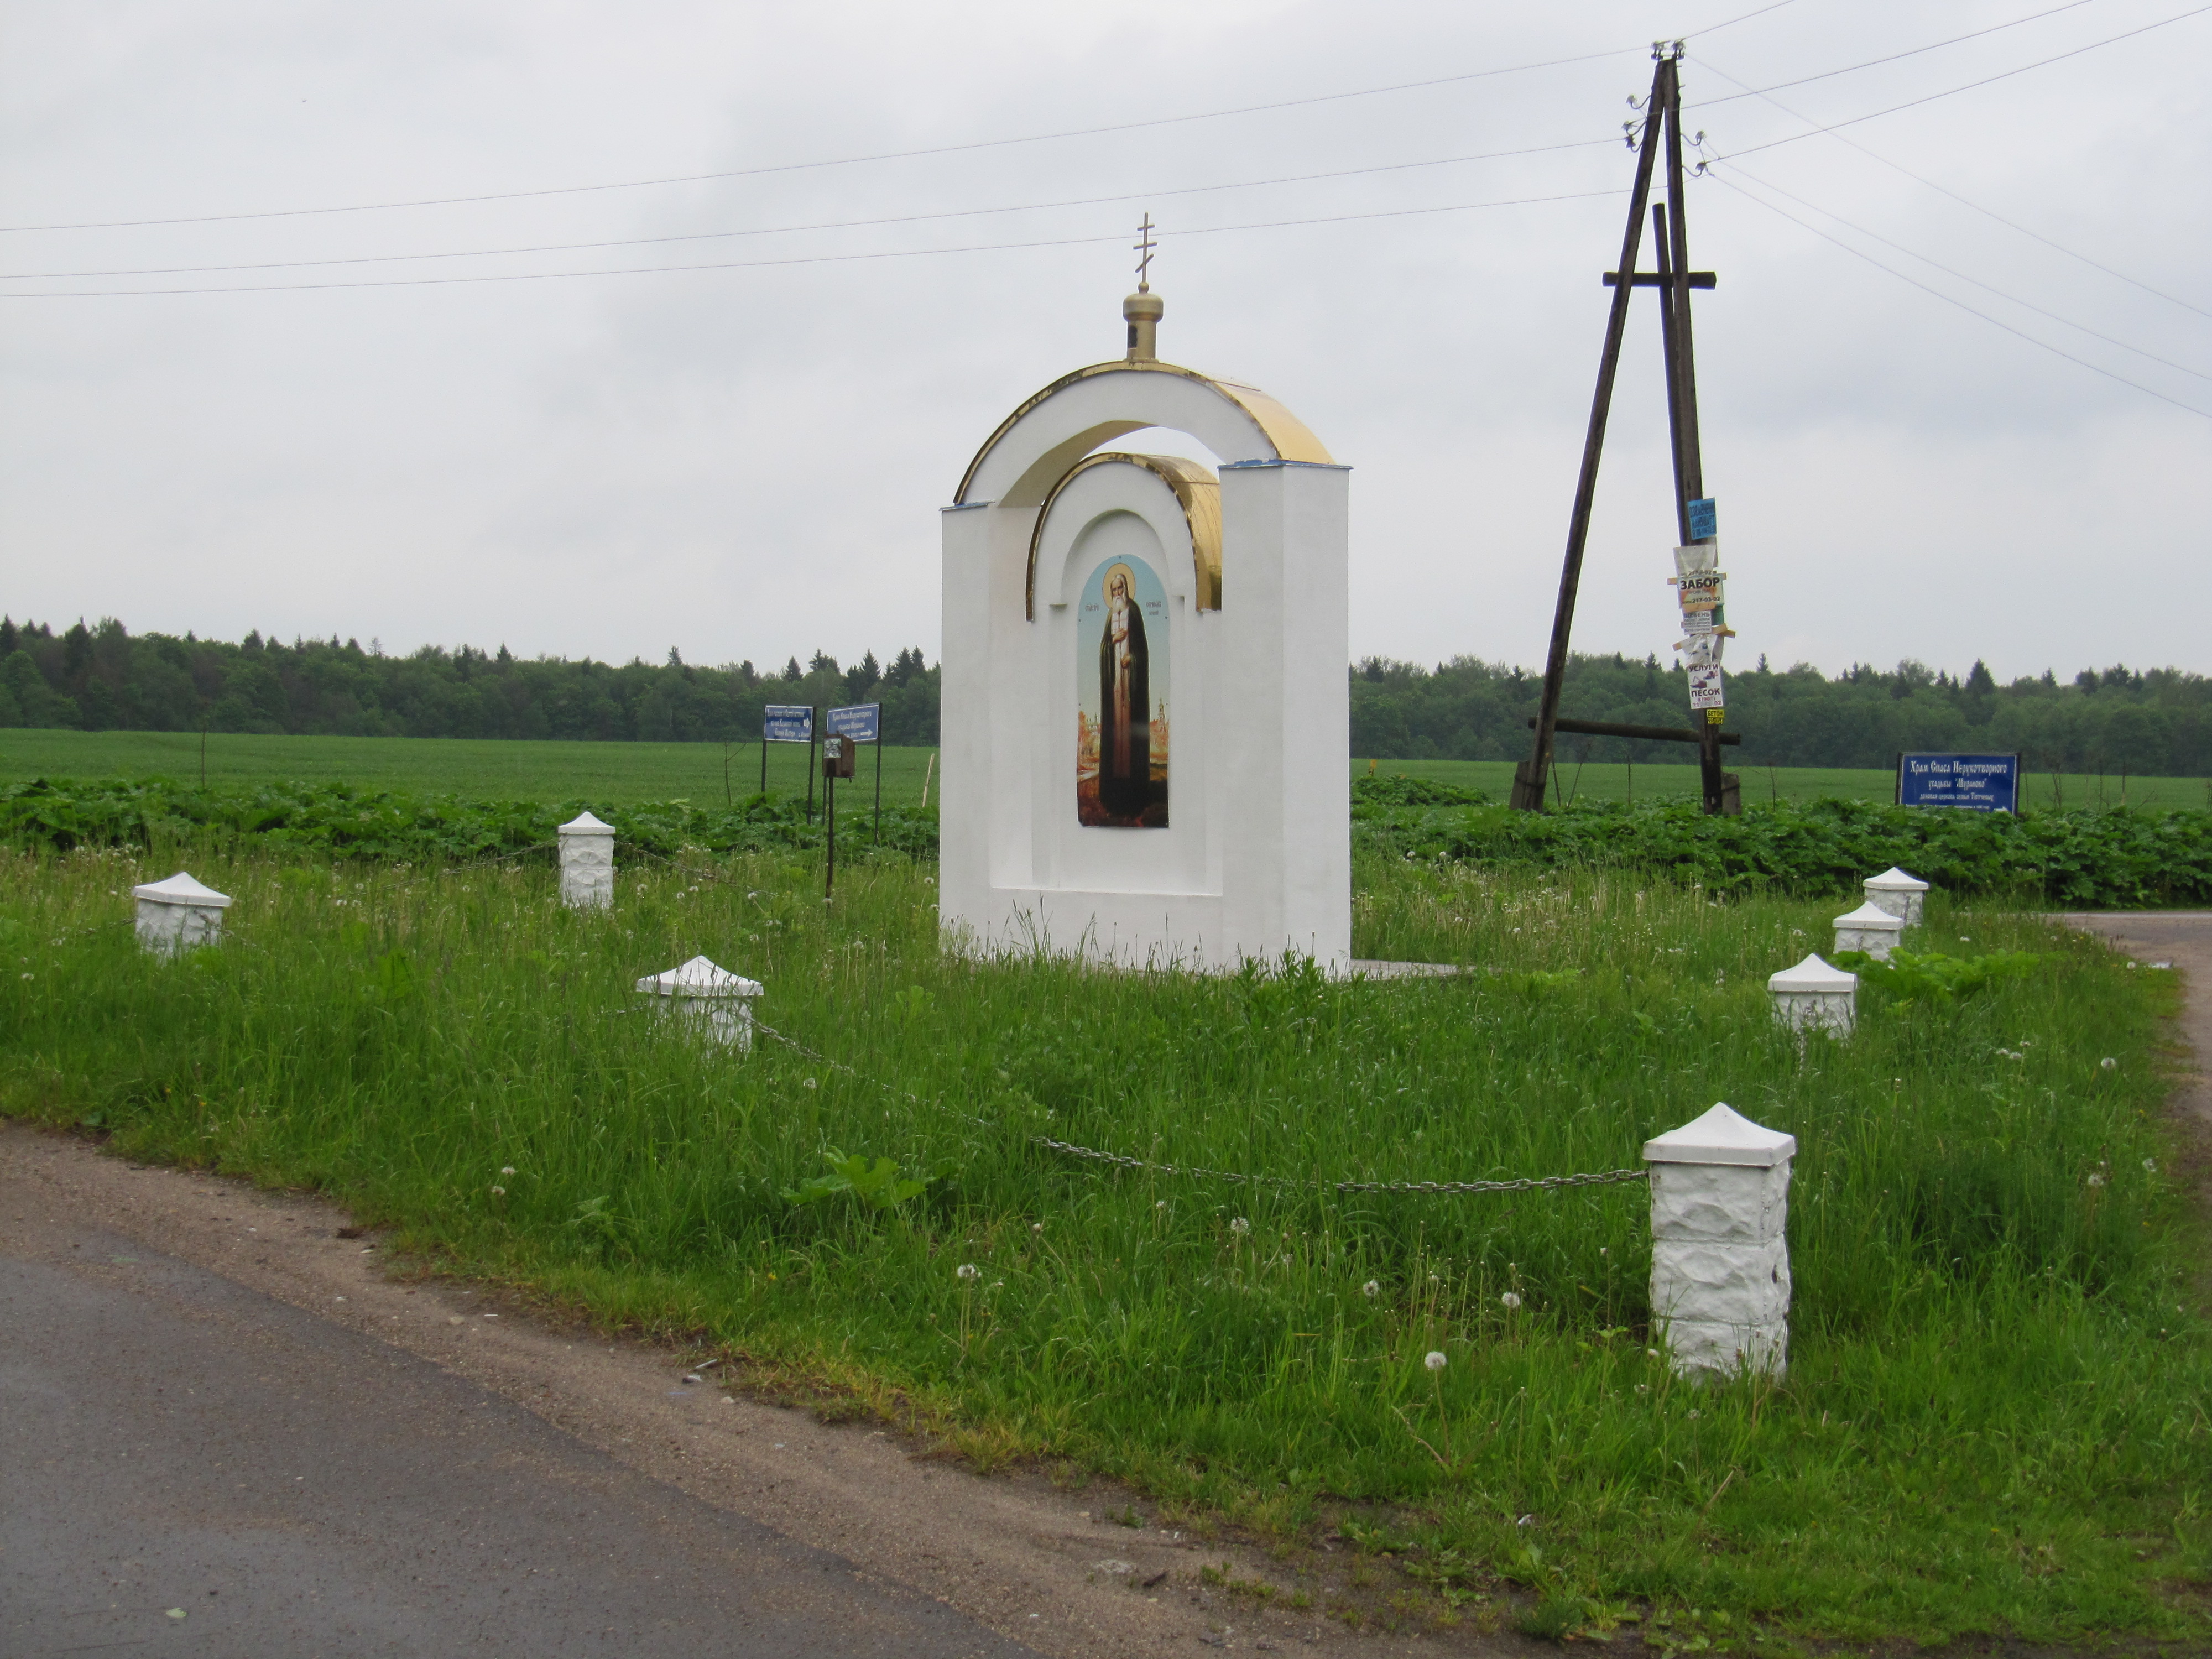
(588, 863)
(1869, 928)
(1815, 996)
(717, 1003)
(1720, 1264)
(179, 914)
(1897, 892)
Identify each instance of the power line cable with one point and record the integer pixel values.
(1876, 62)
(1945, 190)
(806, 259)
(782, 230)
(644, 241)
(890, 155)
(1988, 80)
(1987, 288)
(1857, 254)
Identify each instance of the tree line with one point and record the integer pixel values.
(2154, 722)
(104, 677)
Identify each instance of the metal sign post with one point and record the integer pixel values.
(837, 763)
(863, 722)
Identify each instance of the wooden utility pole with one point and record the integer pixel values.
(1663, 123)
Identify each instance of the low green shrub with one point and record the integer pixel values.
(2094, 859)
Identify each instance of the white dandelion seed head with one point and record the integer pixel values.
(1653, 1352)
(2107, 1064)
(1435, 1362)
(1511, 1299)
(1695, 1415)
(968, 1270)
(498, 1192)
(2096, 1178)
(507, 1168)
(2150, 1166)
(1240, 1225)
(809, 1083)
(1162, 1204)
(1037, 1226)
(1371, 1290)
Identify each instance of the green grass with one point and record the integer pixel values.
(478, 767)
(694, 771)
(1607, 781)
(1994, 1420)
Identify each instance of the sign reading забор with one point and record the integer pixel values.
(1980, 783)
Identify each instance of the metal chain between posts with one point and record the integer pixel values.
(1532, 1183)
(1528, 1183)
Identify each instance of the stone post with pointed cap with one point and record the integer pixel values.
(1869, 928)
(1720, 1264)
(717, 1003)
(177, 914)
(1815, 996)
(588, 863)
(1898, 891)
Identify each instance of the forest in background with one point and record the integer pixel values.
(103, 678)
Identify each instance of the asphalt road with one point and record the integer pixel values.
(192, 1467)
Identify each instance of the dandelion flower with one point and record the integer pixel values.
(968, 1270)
(1654, 1352)
(507, 1168)
(1435, 1362)
(2150, 1166)
(1695, 1415)
(2107, 1064)
(498, 1192)
(809, 1083)
(1162, 1204)
(2096, 1178)
(1037, 1226)
(1511, 1299)
(1240, 1226)
(1371, 1290)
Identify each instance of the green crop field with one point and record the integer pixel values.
(1994, 1420)
(704, 774)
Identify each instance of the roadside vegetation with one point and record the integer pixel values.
(1994, 1420)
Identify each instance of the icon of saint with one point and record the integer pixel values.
(1125, 735)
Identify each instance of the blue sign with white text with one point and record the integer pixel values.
(1980, 783)
(1704, 518)
(860, 722)
(786, 722)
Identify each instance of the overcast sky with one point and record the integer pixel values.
(747, 462)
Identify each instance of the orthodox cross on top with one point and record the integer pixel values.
(1145, 264)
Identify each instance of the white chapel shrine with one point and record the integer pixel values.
(1145, 715)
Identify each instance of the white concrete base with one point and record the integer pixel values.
(588, 863)
(1720, 1256)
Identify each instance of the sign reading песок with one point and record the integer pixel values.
(1980, 783)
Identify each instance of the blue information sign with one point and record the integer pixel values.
(1980, 783)
(861, 722)
(1705, 516)
(787, 722)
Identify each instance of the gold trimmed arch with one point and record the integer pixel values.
(1287, 435)
(1198, 491)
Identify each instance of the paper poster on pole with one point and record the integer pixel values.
(1705, 688)
(1691, 560)
(1704, 520)
(1701, 591)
